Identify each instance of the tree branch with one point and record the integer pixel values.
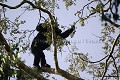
(33, 73)
(26, 68)
(94, 61)
(23, 2)
(55, 47)
(111, 22)
(20, 64)
(110, 55)
(52, 24)
(62, 73)
(10, 7)
(117, 71)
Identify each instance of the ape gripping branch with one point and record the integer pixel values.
(25, 68)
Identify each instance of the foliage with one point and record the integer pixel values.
(108, 11)
(19, 40)
(77, 63)
(9, 68)
(3, 0)
(69, 3)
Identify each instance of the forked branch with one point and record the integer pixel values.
(110, 56)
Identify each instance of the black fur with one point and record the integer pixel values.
(39, 43)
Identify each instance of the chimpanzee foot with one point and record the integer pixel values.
(46, 65)
(36, 67)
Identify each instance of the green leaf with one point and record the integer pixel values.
(3, 59)
(1, 69)
(102, 64)
(81, 21)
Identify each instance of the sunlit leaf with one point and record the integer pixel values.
(81, 22)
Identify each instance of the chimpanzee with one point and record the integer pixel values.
(40, 43)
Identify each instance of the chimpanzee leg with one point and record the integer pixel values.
(43, 60)
(36, 59)
(39, 57)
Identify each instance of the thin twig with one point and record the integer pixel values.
(85, 6)
(94, 61)
(116, 67)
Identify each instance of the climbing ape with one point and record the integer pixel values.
(40, 42)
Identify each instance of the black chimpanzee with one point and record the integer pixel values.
(40, 43)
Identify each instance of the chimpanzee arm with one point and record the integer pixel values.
(66, 33)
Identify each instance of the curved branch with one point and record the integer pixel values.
(114, 44)
(94, 61)
(110, 55)
(85, 6)
(25, 1)
(10, 7)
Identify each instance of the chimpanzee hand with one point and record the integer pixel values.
(73, 32)
(73, 27)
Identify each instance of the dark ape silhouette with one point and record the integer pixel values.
(40, 43)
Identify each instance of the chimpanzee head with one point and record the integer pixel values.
(41, 27)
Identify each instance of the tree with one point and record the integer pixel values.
(12, 65)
